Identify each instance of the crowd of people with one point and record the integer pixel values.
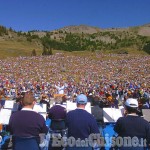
(103, 80)
(102, 76)
(80, 129)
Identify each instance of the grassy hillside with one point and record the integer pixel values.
(15, 48)
(75, 38)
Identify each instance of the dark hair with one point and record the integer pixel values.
(28, 98)
(78, 105)
(131, 109)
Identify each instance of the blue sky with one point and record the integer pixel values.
(25, 15)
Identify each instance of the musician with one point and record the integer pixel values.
(113, 103)
(44, 100)
(132, 125)
(80, 123)
(27, 124)
(57, 114)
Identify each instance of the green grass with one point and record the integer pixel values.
(15, 48)
(9, 48)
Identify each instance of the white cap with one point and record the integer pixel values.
(131, 102)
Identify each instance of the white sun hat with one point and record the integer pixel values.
(131, 102)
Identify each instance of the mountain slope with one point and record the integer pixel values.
(80, 29)
(74, 38)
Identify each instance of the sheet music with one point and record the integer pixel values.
(107, 115)
(116, 114)
(111, 114)
(39, 108)
(88, 107)
(9, 104)
(5, 116)
(73, 106)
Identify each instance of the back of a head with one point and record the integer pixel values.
(131, 105)
(58, 100)
(64, 98)
(131, 102)
(43, 97)
(28, 99)
(81, 99)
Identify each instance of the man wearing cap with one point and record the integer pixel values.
(80, 123)
(133, 126)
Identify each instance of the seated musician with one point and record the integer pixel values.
(2, 99)
(26, 125)
(57, 114)
(44, 100)
(132, 126)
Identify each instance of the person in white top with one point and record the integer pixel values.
(60, 88)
